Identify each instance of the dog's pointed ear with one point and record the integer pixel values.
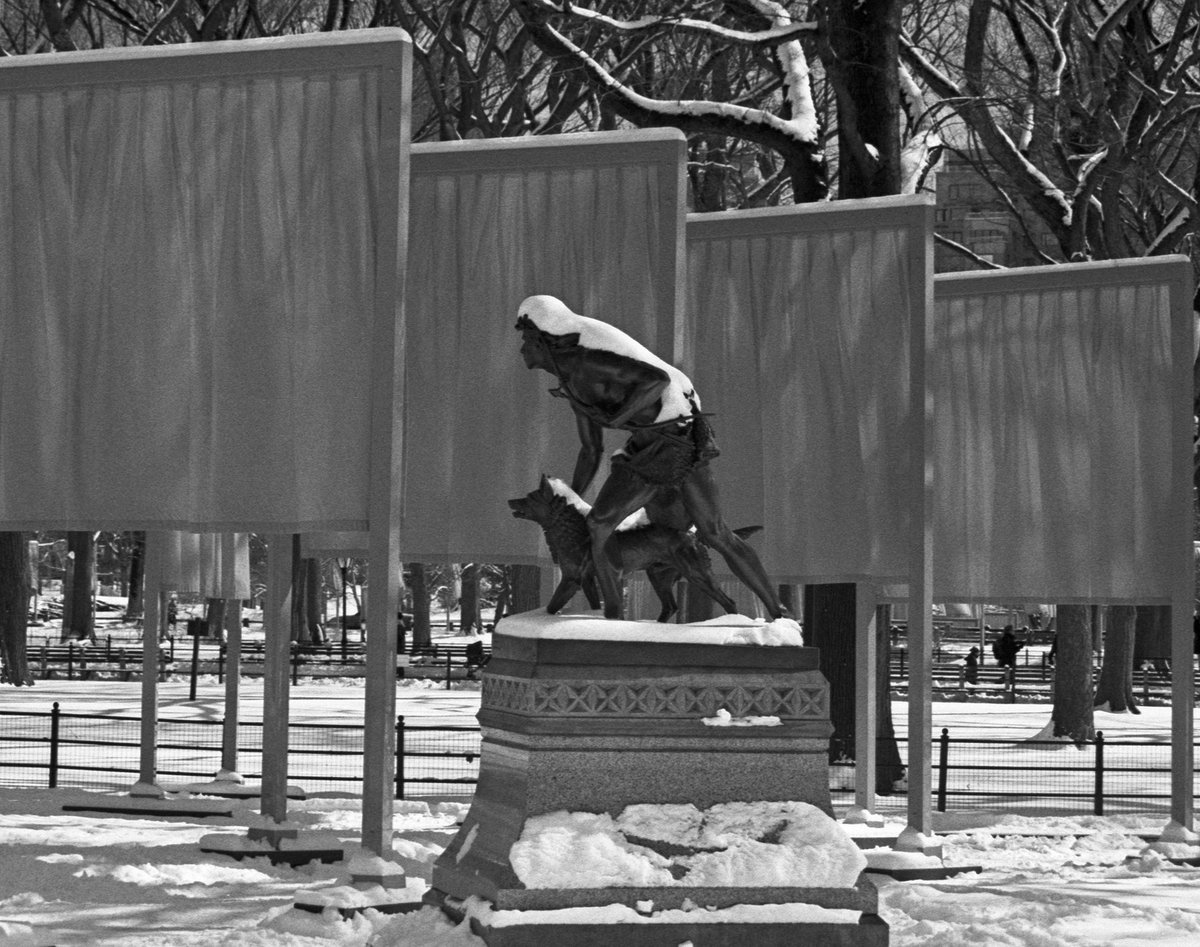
(544, 482)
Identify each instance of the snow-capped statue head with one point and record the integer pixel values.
(547, 324)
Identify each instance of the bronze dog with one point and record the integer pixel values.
(664, 553)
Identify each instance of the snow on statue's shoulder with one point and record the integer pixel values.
(635, 520)
(552, 315)
(592, 626)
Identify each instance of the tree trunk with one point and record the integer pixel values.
(1152, 638)
(526, 588)
(503, 596)
(137, 558)
(15, 587)
(421, 637)
(306, 596)
(889, 768)
(1072, 714)
(214, 619)
(470, 616)
(81, 576)
(860, 52)
(829, 625)
(1114, 691)
(313, 589)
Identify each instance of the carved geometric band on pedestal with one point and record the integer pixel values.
(651, 699)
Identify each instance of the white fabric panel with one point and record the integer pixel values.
(591, 219)
(215, 565)
(321, 544)
(1053, 441)
(179, 562)
(187, 278)
(800, 324)
(225, 565)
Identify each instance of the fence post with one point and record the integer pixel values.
(1098, 802)
(70, 660)
(447, 670)
(400, 757)
(943, 759)
(221, 646)
(1010, 684)
(295, 664)
(54, 715)
(194, 631)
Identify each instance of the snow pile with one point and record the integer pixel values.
(790, 913)
(725, 719)
(781, 631)
(737, 844)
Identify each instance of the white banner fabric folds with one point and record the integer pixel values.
(1054, 444)
(188, 271)
(799, 330)
(594, 219)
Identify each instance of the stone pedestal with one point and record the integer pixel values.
(585, 718)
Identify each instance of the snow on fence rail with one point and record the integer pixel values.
(99, 751)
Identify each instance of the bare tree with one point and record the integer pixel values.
(471, 618)
(1072, 713)
(1083, 116)
(415, 579)
(78, 585)
(14, 608)
(137, 559)
(669, 69)
(1114, 689)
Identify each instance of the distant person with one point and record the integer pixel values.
(1005, 648)
(971, 674)
(1053, 652)
(172, 613)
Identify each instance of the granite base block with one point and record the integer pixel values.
(870, 931)
(595, 726)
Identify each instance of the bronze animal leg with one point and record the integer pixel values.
(622, 493)
(662, 580)
(700, 496)
(562, 595)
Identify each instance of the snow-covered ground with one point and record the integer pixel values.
(69, 878)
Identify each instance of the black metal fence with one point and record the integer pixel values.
(101, 751)
(1097, 777)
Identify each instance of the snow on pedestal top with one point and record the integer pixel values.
(592, 626)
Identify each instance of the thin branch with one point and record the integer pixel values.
(768, 37)
(172, 12)
(967, 252)
(690, 116)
